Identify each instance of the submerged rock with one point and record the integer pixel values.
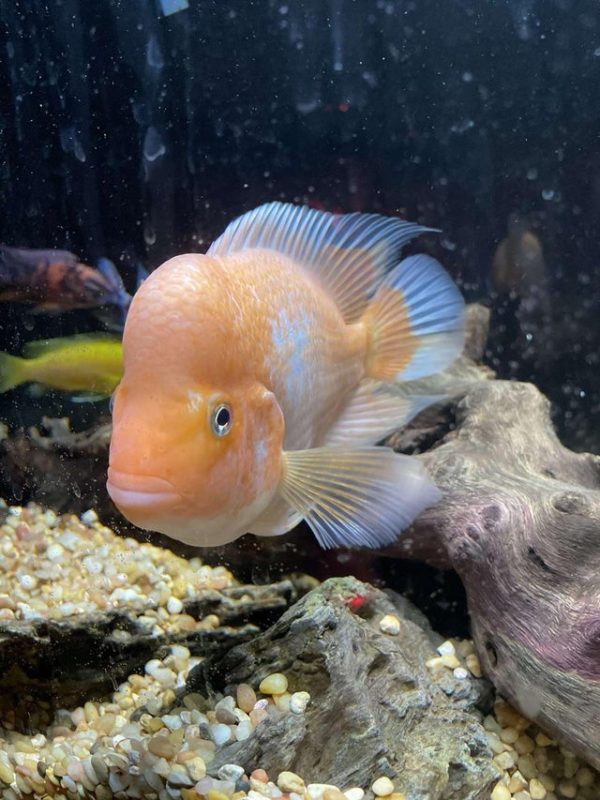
(375, 708)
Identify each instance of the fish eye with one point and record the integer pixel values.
(221, 420)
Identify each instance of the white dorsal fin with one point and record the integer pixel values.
(374, 411)
(348, 253)
(356, 497)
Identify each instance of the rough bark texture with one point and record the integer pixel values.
(520, 523)
(375, 707)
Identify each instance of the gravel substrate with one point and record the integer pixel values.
(149, 741)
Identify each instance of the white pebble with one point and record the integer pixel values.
(355, 793)
(220, 733)
(382, 787)
(390, 624)
(174, 605)
(55, 552)
(447, 649)
(315, 790)
(460, 673)
(152, 666)
(89, 517)
(243, 730)
(298, 702)
(69, 540)
(230, 772)
(172, 721)
(92, 565)
(27, 582)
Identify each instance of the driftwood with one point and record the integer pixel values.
(520, 524)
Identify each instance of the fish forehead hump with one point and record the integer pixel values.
(308, 356)
(254, 313)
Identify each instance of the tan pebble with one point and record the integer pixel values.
(389, 624)
(282, 701)
(508, 717)
(184, 623)
(382, 787)
(474, 665)
(585, 777)
(522, 795)
(524, 744)
(516, 782)
(162, 747)
(333, 794)
(494, 742)
(509, 735)
(214, 794)
(544, 741)
(537, 790)
(491, 724)
(189, 794)
(567, 789)
(257, 716)
(397, 796)
(500, 792)
(260, 775)
(548, 782)
(7, 774)
(90, 711)
(169, 697)
(275, 683)
(434, 663)
(450, 662)
(245, 697)
(505, 760)
(290, 782)
(151, 724)
(102, 793)
(527, 767)
(196, 768)
(570, 768)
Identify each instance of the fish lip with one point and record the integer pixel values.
(140, 491)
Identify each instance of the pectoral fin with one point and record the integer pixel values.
(356, 497)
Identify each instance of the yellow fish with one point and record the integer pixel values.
(259, 398)
(87, 363)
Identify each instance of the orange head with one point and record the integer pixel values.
(197, 438)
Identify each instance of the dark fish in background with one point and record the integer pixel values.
(55, 280)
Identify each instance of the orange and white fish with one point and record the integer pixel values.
(259, 398)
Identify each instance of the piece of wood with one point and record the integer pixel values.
(520, 523)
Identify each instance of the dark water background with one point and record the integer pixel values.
(133, 135)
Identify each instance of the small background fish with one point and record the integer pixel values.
(55, 280)
(88, 366)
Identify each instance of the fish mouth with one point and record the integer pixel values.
(140, 491)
